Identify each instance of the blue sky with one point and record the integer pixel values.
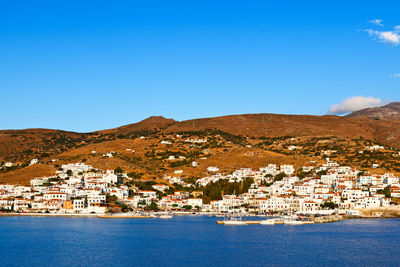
(90, 65)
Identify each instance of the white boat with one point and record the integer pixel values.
(267, 222)
(293, 222)
(234, 222)
(166, 216)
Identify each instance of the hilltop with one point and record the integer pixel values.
(153, 123)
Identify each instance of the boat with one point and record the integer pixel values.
(267, 222)
(126, 216)
(233, 221)
(293, 222)
(166, 216)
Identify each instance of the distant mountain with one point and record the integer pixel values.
(388, 112)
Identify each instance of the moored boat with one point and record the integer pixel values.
(293, 222)
(233, 221)
(126, 216)
(166, 216)
(267, 222)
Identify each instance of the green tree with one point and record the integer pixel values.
(135, 175)
(279, 176)
(187, 207)
(118, 170)
(329, 205)
(124, 207)
(110, 198)
(153, 206)
(385, 191)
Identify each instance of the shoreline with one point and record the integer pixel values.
(13, 214)
(322, 219)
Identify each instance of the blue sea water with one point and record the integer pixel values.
(194, 241)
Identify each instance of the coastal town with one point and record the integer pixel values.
(79, 189)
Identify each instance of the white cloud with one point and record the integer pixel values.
(397, 28)
(376, 22)
(355, 103)
(389, 37)
(396, 75)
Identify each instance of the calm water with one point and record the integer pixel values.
(194, 241)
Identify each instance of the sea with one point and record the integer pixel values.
(195, 241)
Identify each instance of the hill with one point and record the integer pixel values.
(274, 125)
(387, 112)
(24, 175)
(153, 123)
(251, 140)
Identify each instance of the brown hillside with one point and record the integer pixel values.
(23, 145)
(273, 125)
(265, 136)
(23, 176)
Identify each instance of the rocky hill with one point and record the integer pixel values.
(249, 140)
(154, 123)
(25, 144)
(387, 112)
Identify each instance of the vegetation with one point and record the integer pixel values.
(279, 176)
(118, 170)
(385, 191)
(215, 191)
(329, 205)
(153, 206)
(135, 175)
(187, 207)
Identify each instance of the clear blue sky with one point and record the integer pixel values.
(90, 65)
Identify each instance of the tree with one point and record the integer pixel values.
(118, 170)
(329, 205)
(69, 173)
(110, 198)
(385, 191)
(135, 175)
(279, 176)
(153, 206)
(187, 207)
(124, 207)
